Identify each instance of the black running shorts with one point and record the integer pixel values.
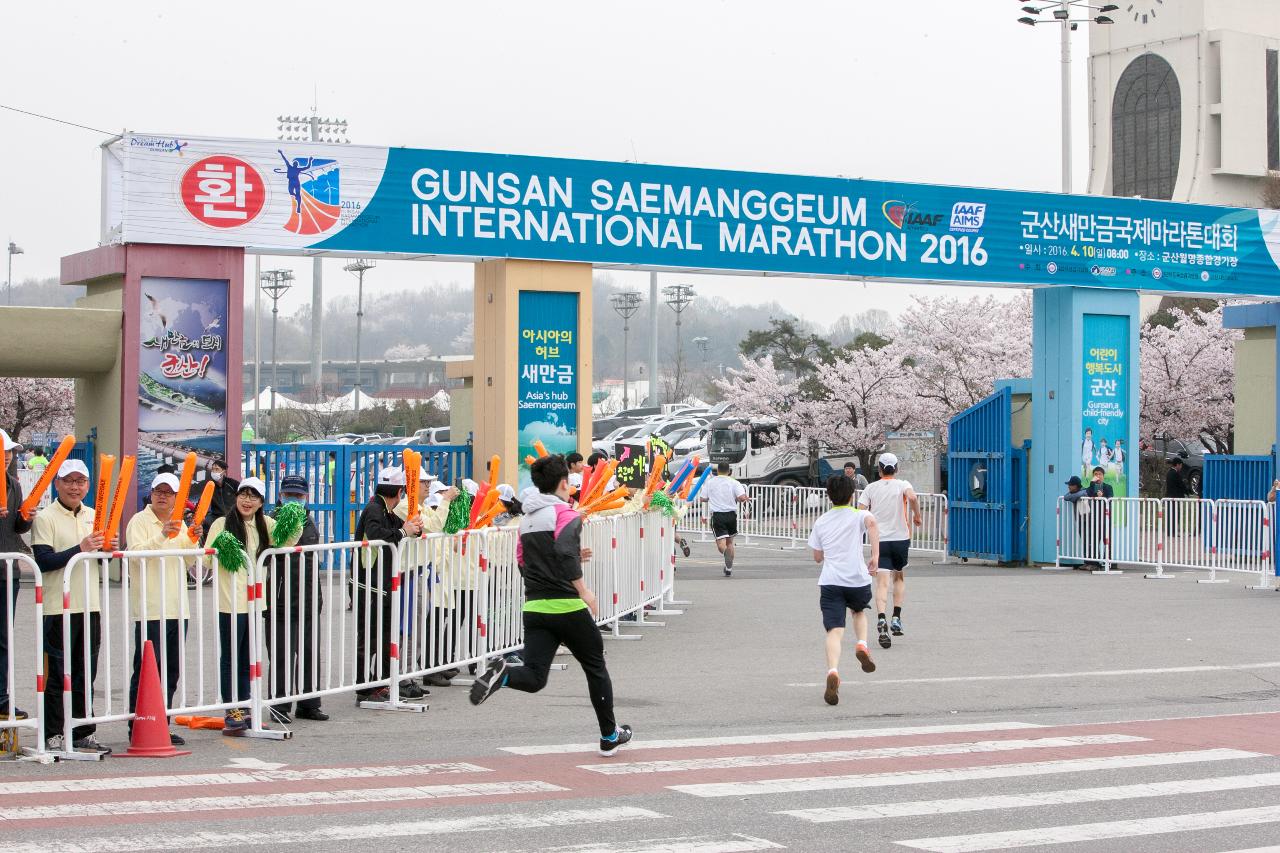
(893, 555)
(835, 600)
(724, 524)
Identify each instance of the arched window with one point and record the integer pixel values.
(1146, 129)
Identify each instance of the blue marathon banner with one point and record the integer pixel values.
(1105, 413)
(547, 392)
(282, 196)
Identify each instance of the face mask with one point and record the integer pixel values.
(297, 501)
(217, 478)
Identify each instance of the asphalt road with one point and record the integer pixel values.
(1057, 711)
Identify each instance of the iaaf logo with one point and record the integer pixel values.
(903, 214)
(315, 203)
(968, 217)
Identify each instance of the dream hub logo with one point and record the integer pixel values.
(315, 201)
(967, 217)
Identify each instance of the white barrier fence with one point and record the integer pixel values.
(788, 513)
(10, 691)
(1170, 533)
(280, 631)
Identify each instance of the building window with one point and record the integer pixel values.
(1146, 130)
(1273, 110)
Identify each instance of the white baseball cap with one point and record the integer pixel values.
(255, 484)
(9, 443)
(436, 488)
(391, 476)
(424, 477)
(471, 486)
(888, 460)
(505, 492)
(72, 466)
(165, 480)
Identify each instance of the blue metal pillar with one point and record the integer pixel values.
(1059, 387)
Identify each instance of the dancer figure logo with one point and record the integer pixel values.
(315, 201)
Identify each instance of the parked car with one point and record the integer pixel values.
(432, 435)
(688, 442)
(1190, 451)
(602, 427)
(666, 429)
(627, 433)
(639, 412)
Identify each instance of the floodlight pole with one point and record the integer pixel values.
(358, 267)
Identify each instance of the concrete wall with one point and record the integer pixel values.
(1255, 392)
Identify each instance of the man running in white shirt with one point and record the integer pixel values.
(723, 494)
(845, 582)
(889, 500)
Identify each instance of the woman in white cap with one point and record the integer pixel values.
(252, 528)
(12, 526)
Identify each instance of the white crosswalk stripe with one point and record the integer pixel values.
(1077, 833)
(275, 801)
(205, 780)
(1040, 798)
(116, 843)
(785, 759)
(785, 737)
(959, 774)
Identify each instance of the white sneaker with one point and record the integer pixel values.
(53, 744)
(89, 743)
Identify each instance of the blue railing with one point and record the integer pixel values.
(342, 476)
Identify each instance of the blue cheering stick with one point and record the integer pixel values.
(685, 470)
(697, 487)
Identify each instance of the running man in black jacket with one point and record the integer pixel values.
(559, 608)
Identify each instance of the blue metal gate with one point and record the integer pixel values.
(1242, 478)
(342, 476)
(986, 483)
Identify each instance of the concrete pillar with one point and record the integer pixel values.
(113, 278)
(1081, 336)
(502, 334)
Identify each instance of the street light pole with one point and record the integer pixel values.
(1061, 11)
(626, 303)
(312, 128)
(678, 297)
(358, 266)
(14, 249)
(277, 285)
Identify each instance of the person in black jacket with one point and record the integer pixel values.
(295, 599)
(12, 526)
(1175, 483)
(559, 606)
(373, 582)
(224, 490)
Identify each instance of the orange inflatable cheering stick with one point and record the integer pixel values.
(102, 500)
(184, 488)
(540, 448)
(118, 500)
(202, 509)
(412, 485)
(51, 470)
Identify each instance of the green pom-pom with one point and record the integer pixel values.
(230, 552)
(662, 502)
(289, 521)
(459, 512)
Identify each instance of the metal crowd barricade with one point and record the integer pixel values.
(1184, 533)
(770, 513)
(205, 641)
(931, 535)
(10, 725)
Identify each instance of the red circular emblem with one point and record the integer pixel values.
(223, 191)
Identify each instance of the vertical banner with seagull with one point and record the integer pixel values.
(182, 374)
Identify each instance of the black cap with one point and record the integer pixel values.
(294, 484)
(1074, 481)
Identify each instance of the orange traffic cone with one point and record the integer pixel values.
(150, 721)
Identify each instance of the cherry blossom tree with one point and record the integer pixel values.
(1187, 378)
(958, 348)
(36, 405)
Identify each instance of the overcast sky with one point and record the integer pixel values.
(935, 91)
